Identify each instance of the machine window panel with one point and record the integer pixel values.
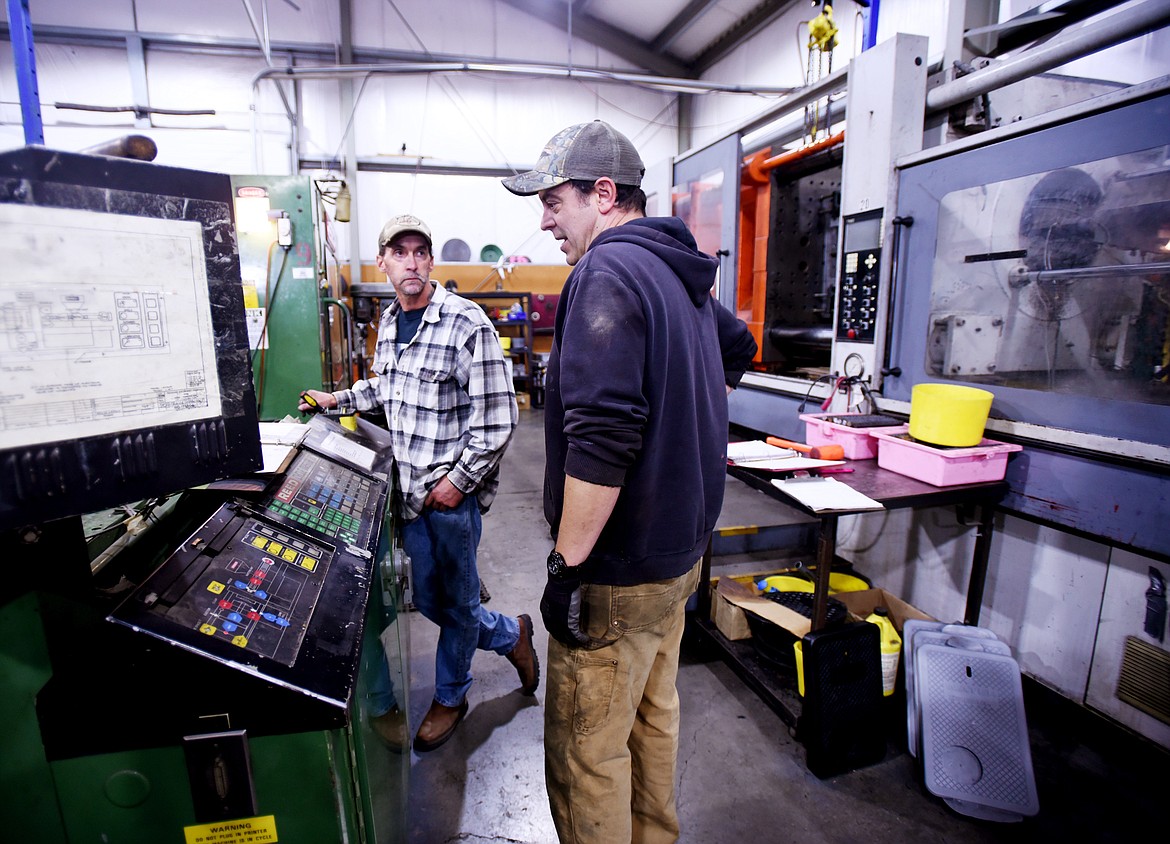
(1057, 281)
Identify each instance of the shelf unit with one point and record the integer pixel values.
(519, 330)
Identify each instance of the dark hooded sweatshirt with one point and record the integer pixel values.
(635, 397)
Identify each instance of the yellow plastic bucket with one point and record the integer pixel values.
(949, 414)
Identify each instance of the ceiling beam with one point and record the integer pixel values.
(748, 25)
(609, 38)
(681, 23)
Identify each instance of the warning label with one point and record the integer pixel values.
(260, 830)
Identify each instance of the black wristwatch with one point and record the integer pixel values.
(558, 569)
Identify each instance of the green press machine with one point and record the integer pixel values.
(191, 649)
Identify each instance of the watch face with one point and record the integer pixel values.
(556, 564)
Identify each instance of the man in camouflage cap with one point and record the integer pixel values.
(585, 151)
(635, 460)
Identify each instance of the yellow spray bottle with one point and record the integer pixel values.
(891, 647)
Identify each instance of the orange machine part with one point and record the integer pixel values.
(755, 197)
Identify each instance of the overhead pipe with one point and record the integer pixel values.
(510, 68)
(668, 83)
(1126, 22)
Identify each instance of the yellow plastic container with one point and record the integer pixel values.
(949, 414)
(799, 651)
(838, 582)
(891, 648)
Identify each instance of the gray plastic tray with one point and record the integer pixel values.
(912, 628)
(975, 749)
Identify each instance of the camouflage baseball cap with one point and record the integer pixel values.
(585, 151)
(400, 225)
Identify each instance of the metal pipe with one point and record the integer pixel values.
(1024, 276)
(1125, 23)
(665, 83)
(137, 147)
(539, 71)
(758, 168)
(350, 353)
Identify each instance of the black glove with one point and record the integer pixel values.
(563, 611)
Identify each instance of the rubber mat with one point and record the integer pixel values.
(975, 750)
(950, 635)
(841, 723)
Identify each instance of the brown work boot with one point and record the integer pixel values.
(438, 725)
(390, 727)
(523, 656)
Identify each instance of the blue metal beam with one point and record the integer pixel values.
(25, 59)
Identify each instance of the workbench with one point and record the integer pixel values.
(892, 490)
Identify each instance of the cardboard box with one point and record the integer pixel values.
(523, 401)
(732, 598)
(744, 598)
(863, 603)
(729, 619)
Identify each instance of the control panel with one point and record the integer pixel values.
(276, 586)
(247, 584)
(857, 299)
(328, 501)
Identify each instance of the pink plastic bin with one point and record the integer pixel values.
(858, 443)
(944, 466)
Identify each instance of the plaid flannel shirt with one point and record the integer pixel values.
(449, 401)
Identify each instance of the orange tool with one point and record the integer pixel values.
(816, 452)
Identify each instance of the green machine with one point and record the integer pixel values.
(276, 231)
(232, 693)
(191, 649)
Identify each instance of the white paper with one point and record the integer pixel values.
(823, 495)
(283, 433)
(348, 450)
(757, 454)
(274, 457)
(752, 450)
(105, 324)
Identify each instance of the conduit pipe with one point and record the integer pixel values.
(665, 83)
(1126, 22)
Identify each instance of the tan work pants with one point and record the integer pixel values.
(611, 717)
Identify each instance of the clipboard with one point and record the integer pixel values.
(826, 495)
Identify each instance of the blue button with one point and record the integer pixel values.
(261, 594)
(229, 627)
(235, 616)
(239, 584)
(282, 622)
(268, 616)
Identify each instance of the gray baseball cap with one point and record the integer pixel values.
(585, 151)
(400, 225)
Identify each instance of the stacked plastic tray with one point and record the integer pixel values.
(966, 722)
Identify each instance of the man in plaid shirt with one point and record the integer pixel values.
(439, 374)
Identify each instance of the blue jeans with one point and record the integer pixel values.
(441, 545)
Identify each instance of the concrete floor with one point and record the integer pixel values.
(741, 775)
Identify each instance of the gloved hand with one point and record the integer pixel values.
(563, 611)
